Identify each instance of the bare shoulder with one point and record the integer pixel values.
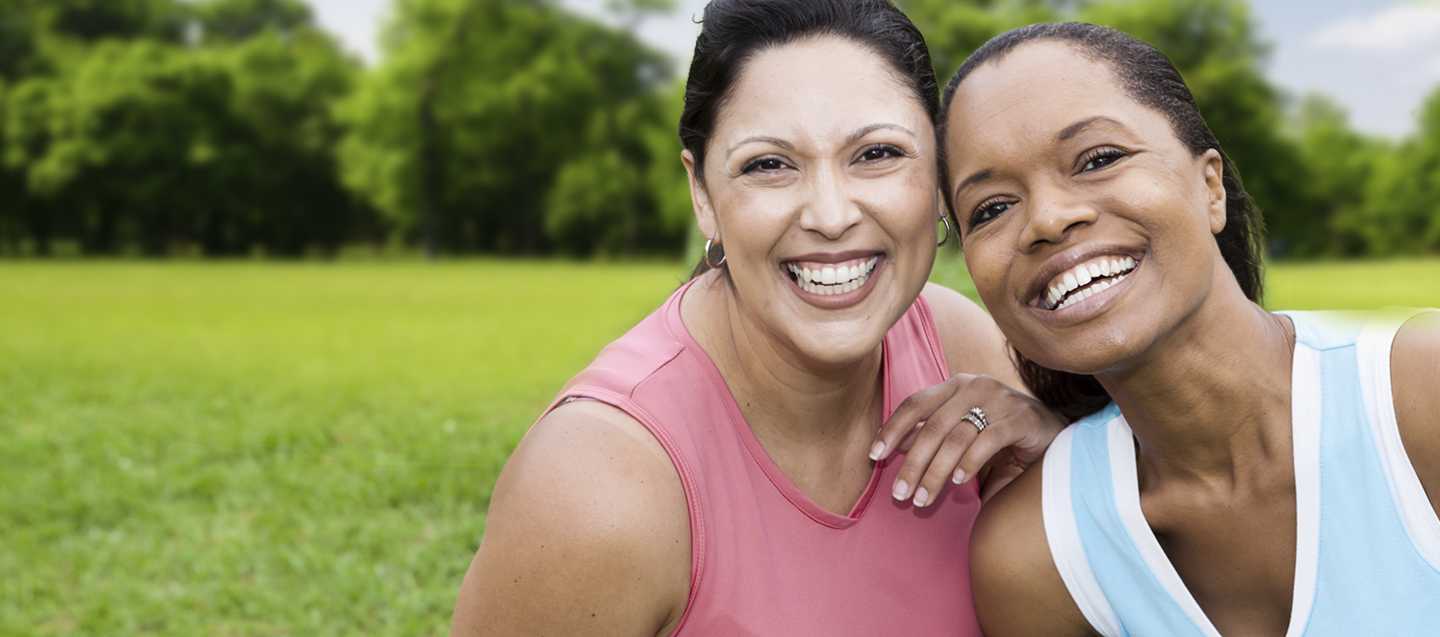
(587, 533)
(1415, 386)
(1018, 590)
(973, 343)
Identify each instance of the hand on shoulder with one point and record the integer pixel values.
(1415, 385)
(587, 533)
(1018, 590)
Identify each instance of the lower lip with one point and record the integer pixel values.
(1092, 307)
(837, 301)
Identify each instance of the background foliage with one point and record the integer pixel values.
(237, 127)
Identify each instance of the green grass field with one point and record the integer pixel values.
(308, 449)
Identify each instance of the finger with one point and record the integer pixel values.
(926, 445)
(996, 437)
(947, 458)
(927, 442)
(908, 416)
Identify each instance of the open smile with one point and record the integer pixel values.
(1077, 286)
(833, 281)
(1085, 280)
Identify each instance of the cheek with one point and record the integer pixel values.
(752, 221)
(989, 270)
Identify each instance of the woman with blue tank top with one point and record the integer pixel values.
(1239, 471)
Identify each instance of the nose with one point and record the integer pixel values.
(830, 212)
(1052, 217)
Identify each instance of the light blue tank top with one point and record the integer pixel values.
(1367, 541)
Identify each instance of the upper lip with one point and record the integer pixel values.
(1063, 261)
(833, 257)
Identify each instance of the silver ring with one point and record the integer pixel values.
(976, 416)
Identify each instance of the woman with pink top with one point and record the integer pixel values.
(715, 470)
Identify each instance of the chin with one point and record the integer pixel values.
(839, 345)
(1099, 351)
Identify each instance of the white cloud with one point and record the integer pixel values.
(1395, 28)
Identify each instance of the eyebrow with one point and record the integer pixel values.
(1075, 129)
(760, 139)
(866, 130)
(850, 139)
(975, 178)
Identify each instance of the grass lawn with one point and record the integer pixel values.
(308, 449)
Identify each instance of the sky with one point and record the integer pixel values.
(1377, 58)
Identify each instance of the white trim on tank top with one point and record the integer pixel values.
(1372, 352)
(1063, 536)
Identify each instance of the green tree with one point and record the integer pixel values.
(235, 20)
(279, 159)
(93, 20)
(110, 137)
(1401, 214)
(144, 142)
(1340, 164)
(460, 134)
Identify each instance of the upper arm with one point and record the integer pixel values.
(587, 534)
(1018, 590)
(1414, 370)
(973, 343)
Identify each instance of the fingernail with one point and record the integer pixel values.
(922, 497)
(959, 477)
(877, 450)
(901, 491)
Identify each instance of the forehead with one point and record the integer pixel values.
(818, 86)
(1034, 91)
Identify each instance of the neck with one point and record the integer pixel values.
(1210, 400)
(784, 396)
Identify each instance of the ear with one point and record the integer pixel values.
(699, 198)
(1214, 166)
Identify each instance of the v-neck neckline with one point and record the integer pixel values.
(777, 477)
(1305, 422)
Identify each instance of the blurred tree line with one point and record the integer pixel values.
(237, 127)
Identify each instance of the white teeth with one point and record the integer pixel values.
(833, 279)
(1062, 290)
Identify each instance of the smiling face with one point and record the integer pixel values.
(820, 182)
(1087, 225)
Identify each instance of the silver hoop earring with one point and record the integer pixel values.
(945, 233)
(709, 243)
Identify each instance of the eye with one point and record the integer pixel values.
(880, 152)
(1100, 158)
(763, 164)
(988, 211)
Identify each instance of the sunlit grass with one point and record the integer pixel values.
(308, 449)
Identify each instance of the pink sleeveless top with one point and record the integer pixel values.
(765, 559)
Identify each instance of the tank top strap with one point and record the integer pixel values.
(1372, 357)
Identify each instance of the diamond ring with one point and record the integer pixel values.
(976, 416)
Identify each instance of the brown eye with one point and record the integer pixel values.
(764, 164)
(877, 153)
(988, 211)
(1101, 158)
